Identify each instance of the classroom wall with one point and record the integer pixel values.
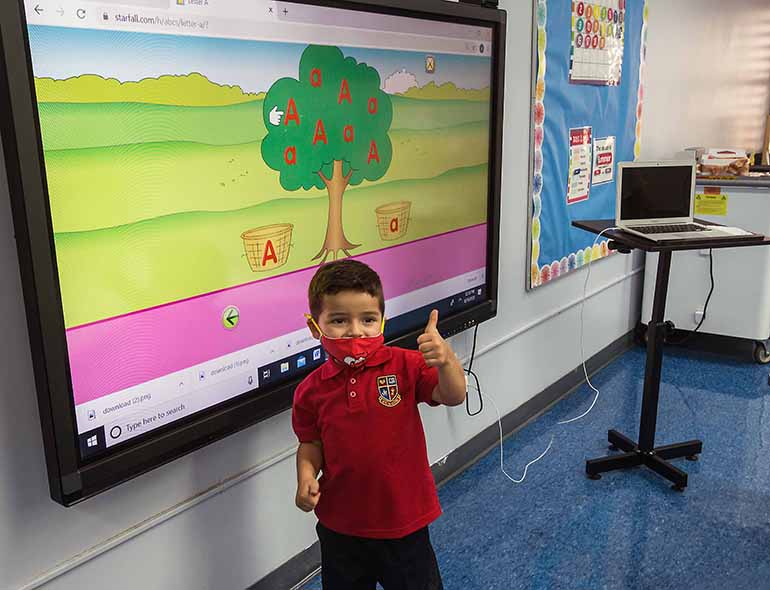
(223, 517)
(707, 80)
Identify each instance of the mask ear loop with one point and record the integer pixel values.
(310, 318)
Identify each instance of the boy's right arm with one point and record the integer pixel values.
(309, 465)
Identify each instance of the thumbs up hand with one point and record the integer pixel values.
(433, 347)
(438, 353)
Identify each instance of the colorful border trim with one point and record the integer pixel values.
(538, 114)
(640, 96)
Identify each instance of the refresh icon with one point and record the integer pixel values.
(81, 13)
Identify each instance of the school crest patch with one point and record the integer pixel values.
(387, 385)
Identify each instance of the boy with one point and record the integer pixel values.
(356, 418)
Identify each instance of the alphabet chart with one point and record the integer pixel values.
(596, 55)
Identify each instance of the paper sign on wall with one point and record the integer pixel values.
(604, 160)
(711, 202)
(596, 55)
(578, 183)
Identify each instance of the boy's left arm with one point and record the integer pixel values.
(437, 352)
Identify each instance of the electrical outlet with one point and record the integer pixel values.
(698, 316)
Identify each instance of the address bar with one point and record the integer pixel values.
(196, 24)
(158, 22)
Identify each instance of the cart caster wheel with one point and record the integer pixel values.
(692, 457)
(678, 488)
(761, 354)
(594, 476)
(613, 448)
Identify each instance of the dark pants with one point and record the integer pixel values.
(357, 563)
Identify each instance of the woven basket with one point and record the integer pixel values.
(267, 247)
(393, 219)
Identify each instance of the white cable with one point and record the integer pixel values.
(500, 426)
(585, 372)
(582, 352)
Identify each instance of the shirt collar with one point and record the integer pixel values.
(332, 368)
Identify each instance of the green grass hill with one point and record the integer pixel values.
(188, 90)
(447, 91)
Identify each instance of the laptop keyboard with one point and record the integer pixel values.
(669, 229)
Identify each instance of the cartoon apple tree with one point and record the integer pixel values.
(328, 129)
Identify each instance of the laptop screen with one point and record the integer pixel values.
(656, 192)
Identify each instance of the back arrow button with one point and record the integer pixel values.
(38, 9)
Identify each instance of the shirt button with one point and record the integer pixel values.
(353, 381)
(352, 394)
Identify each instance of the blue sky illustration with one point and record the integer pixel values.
(61, 53)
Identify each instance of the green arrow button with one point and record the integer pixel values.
(230, 317)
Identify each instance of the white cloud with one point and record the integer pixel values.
(399, 82)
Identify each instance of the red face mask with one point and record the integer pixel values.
(351, 351)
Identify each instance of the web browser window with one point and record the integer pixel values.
(197, 153)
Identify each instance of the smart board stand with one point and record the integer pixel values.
(644, 452)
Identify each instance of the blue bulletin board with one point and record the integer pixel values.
(588, 94)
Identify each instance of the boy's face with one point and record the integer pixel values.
(349, 314)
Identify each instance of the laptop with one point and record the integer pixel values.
(655, 201)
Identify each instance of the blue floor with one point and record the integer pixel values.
(628, 530)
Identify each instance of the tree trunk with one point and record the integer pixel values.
(335, 236)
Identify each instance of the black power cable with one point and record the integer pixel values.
(470, 372)
(706, 305)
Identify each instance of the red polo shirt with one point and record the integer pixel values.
(376, 479)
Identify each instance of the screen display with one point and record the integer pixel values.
(203, 157)
(656, 192)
